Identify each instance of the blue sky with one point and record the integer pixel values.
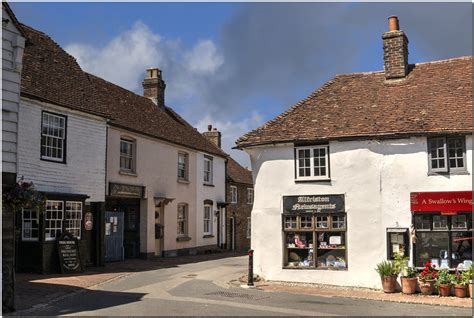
(237, 65)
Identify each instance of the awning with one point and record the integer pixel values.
(444, 202)
(162, 200)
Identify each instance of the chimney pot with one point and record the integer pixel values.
(393, 23)
(209, 127)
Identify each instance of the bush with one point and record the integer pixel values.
(386, 268)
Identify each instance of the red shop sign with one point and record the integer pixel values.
(444, 202)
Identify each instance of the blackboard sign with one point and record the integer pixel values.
(330, 203)
(68, 249)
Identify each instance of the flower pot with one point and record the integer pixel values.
(409, 285)
(427, 287)
(444, 290)
(389, 284)
(460, 291)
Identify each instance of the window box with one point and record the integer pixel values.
(312, 163)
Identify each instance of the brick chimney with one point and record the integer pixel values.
(213, 135)
(154, 87)
(395, 51)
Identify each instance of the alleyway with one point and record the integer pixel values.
(202, 288)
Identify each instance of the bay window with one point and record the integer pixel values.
(312, 163)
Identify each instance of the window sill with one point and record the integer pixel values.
(53, 160)
(316, 268)
(313, 180)
(208, 236)
(183, 239)
(128, 173)
(447, 174)
(183, 181)
(208, 185)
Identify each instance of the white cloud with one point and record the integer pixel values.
(204, 58)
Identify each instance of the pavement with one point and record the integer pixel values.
(208, 285)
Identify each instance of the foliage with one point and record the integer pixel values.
(462, 279)
(409, 272)
(429, 272)
(386, 268)
(469, 272)
(400, 263)
(444, 277)
(22, 195)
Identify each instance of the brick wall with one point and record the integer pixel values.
(240, 211)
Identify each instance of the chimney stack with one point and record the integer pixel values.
(154, 87)
(213, 135)
(395, 51)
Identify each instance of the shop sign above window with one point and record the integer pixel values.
(444, 202)
(331, 203)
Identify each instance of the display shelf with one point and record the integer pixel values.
(331, 248)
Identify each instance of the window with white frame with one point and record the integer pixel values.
(249, 195)
(447, 154)
(183, 166)
(29, 225)
(182, 230)
(312, 163)
(207, 219)
(127, 155)
(53, 137)
(54, 215)
(249, 227)
(208, 170)
(73, 219)
(233, 194)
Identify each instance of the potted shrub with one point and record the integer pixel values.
(427, 278)
(461, 280)
(468, 273)
(409, 280)
(388, 274)
(444, 282)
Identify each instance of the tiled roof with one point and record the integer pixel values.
(238, 174)
(435, 98)
(50, 74)
(139, 114)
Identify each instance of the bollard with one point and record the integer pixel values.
(250, 274)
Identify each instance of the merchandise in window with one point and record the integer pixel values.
(322, 247)
(312, 163)
(30, 225)
(447, 154)
(53, 137)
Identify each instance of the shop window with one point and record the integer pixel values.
(53, 137)
(208, 170)
(397, 242)
(54, 215)
(312, 163)
(127, 155)
(182, 220)
(73, 219)
(183, 159)
(447, 244)
(447, 154)
(207, 219)
(30, 225)
(320, 247)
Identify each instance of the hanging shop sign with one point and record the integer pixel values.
(69, 257)
(444, 202)
(88, 221)
(330, 203)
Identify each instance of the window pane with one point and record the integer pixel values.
(290, 222)
(458, 222)
(299, 251)
(423, 222)
(331, 250)
(461, 247)
(322, 222)
(431, 246)
(440, 222)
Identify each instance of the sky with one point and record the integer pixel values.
(238, 65)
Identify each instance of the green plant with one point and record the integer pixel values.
(400, 262)
(469, 272)
(24, 194)
(444, 277)
(386, 268)
(409, 272)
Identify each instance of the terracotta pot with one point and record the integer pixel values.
(409, 285)
(470, 290)
(444, 290)
(389, 284)
(460, 291)
(427, 287)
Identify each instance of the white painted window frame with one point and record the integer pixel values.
(50, 121)
(30, 220)
(131, 157)
(250, 195)
(208, 172)
(207, 220)
(447, 165)
(233, 194)
(183, 166)
(312, 177)
(184, 219)
(73, 218)
(51, 223)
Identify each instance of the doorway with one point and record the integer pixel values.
(159, 230)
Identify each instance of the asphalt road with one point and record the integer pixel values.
(202, 289)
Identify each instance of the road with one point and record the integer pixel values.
(202, 289)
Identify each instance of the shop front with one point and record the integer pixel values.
(442, 228)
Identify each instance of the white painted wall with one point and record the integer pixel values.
(376, 178)
(13, 45)
(156, 169)
(84, 170)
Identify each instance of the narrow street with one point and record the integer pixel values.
(203, 289)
